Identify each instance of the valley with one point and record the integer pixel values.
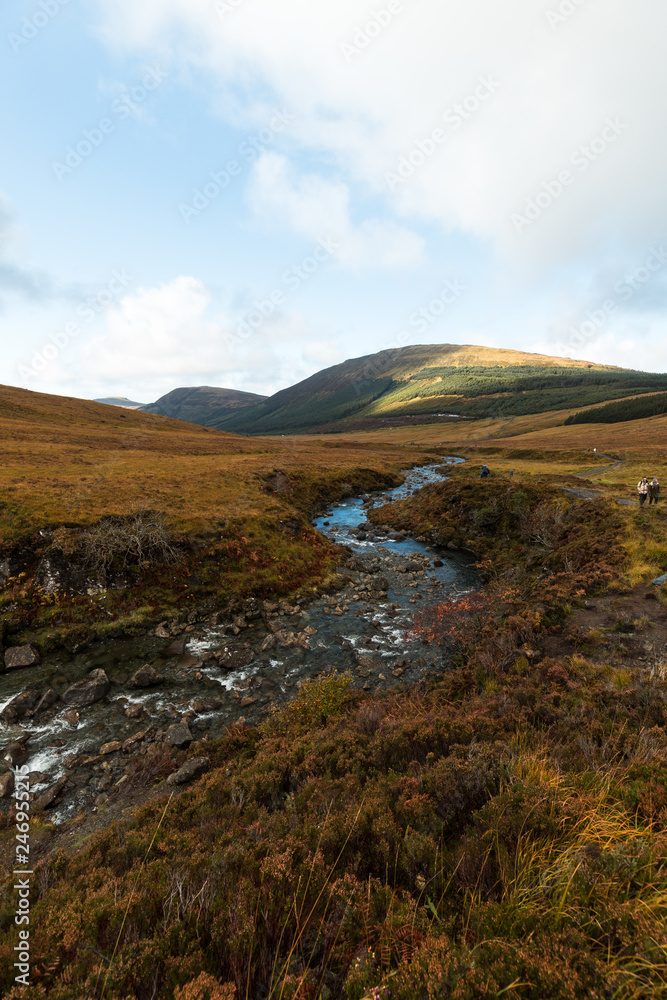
(326, 715)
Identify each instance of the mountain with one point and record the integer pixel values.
(434, 380)
(127, 404)
(203, 404)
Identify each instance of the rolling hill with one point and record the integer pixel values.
(205, 405)
(424, 382)
(122, 401)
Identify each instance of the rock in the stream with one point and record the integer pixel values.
(20, 706)
(409, 566)
(21, 656)
(176, 648)
(88, 690)
(179, 735)
(49, 796)
(134, 711)
(112, 747)
(6, 784)
(146, 676)
(15, 753)
(48, 699)
(234, 657)
(162, 632)
(191, 769)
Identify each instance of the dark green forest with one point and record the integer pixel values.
(625, 409)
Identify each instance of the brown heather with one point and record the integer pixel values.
(499, 830)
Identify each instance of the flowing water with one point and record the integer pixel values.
(360, 628)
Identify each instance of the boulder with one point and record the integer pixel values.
(20, 706)
(15, 753)
(146, 676)
(179, 735)
(187, 660)
(6, 784)
(191, 769)
(72, 717)
(49, 796)
(176, 648)
(88, 690)
(133, 740)
(21, 656)
(48, 699)
(234, 657)
(162, 632)
(134, 711)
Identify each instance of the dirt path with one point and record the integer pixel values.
(600, 469)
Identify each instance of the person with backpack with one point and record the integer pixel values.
(642, 489)
(653, 491)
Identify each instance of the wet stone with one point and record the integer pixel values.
(90, 689)
(146, 676)
(6, 784)
(21, 656)
(178, 735)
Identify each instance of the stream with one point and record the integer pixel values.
(218, 671)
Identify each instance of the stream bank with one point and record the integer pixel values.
(85, 724)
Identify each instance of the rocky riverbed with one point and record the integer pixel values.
(90, 725)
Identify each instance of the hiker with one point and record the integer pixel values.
(642, 489)
(511, 473)
(653, 491)
(484, 472)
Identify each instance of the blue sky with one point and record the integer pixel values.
(239, 193)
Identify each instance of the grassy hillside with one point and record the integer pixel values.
(235, 509)
(205, 404)
(429, 380)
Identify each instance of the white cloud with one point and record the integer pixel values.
(157, 332)
(558, 84)
(317, 207)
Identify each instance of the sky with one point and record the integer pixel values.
(243, 192)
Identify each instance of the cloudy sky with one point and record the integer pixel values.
(242, 192)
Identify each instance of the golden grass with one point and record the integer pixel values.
(69, 460)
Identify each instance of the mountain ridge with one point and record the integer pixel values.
(205, 405)
(419, 383)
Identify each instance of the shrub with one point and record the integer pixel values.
(141, 537)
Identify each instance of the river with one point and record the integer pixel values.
(359, 628)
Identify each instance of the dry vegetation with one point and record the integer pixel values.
(499, 832)
(74, 474)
